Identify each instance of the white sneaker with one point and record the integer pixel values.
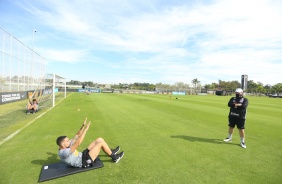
(243, 145)
(227, 139)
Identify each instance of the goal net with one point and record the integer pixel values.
(50, 91)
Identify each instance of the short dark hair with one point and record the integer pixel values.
(60, 140)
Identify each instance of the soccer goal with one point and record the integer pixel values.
(50, 91)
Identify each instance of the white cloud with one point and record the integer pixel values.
(220, 40)
(68, 56)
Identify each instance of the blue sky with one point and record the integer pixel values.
(127, 41)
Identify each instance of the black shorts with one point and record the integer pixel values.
(240, 123)
(86, 159)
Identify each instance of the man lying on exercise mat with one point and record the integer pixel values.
(68, 153)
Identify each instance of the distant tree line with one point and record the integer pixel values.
(85, 84)
(252, 87)
(135, 86)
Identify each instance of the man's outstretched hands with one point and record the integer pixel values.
(84, 123)
(87, 126)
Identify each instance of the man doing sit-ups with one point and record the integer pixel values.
(32, 107)
(69, 154)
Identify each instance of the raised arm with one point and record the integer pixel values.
(29, 105)
(79, 132)
(80, 135)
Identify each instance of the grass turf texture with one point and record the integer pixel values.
(166, 140)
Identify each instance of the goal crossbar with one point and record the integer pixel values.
(57, 81)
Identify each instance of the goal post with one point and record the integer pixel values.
(59, 81)
(57, 85)
(49, 91)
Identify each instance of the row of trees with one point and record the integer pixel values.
(86, 83)
(196, 86)
(264, 89)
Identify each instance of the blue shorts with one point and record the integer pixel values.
(240, 123)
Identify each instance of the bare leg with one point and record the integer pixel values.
(96, 146)
(231, 130)
(242, 134)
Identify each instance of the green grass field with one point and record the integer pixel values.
(165, 140)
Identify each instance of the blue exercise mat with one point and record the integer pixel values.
(60, 169)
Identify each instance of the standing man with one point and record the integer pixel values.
(237, 116)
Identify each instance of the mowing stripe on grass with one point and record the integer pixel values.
(166, 140)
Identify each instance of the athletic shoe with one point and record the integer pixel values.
(118, 156)
(243, 145)
(228, 139)
(114, 151)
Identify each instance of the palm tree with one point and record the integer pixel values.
(195, 82)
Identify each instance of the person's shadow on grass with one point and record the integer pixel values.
(198, 139)
(51, 159)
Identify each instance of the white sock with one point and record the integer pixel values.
(230, 136)
(242, 139)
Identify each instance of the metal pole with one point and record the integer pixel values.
(53, 90)
(26, 81)
(11, 63)
(3, 61)
(18, 68)
(65, 88)
(34, 31)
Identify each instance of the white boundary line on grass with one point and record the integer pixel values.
(18, 131)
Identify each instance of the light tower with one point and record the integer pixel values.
(244, 82)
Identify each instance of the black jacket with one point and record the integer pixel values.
(240, 111)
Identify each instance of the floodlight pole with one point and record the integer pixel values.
(54, 77)
(34, 31)
(65, 88)
(11, 63)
